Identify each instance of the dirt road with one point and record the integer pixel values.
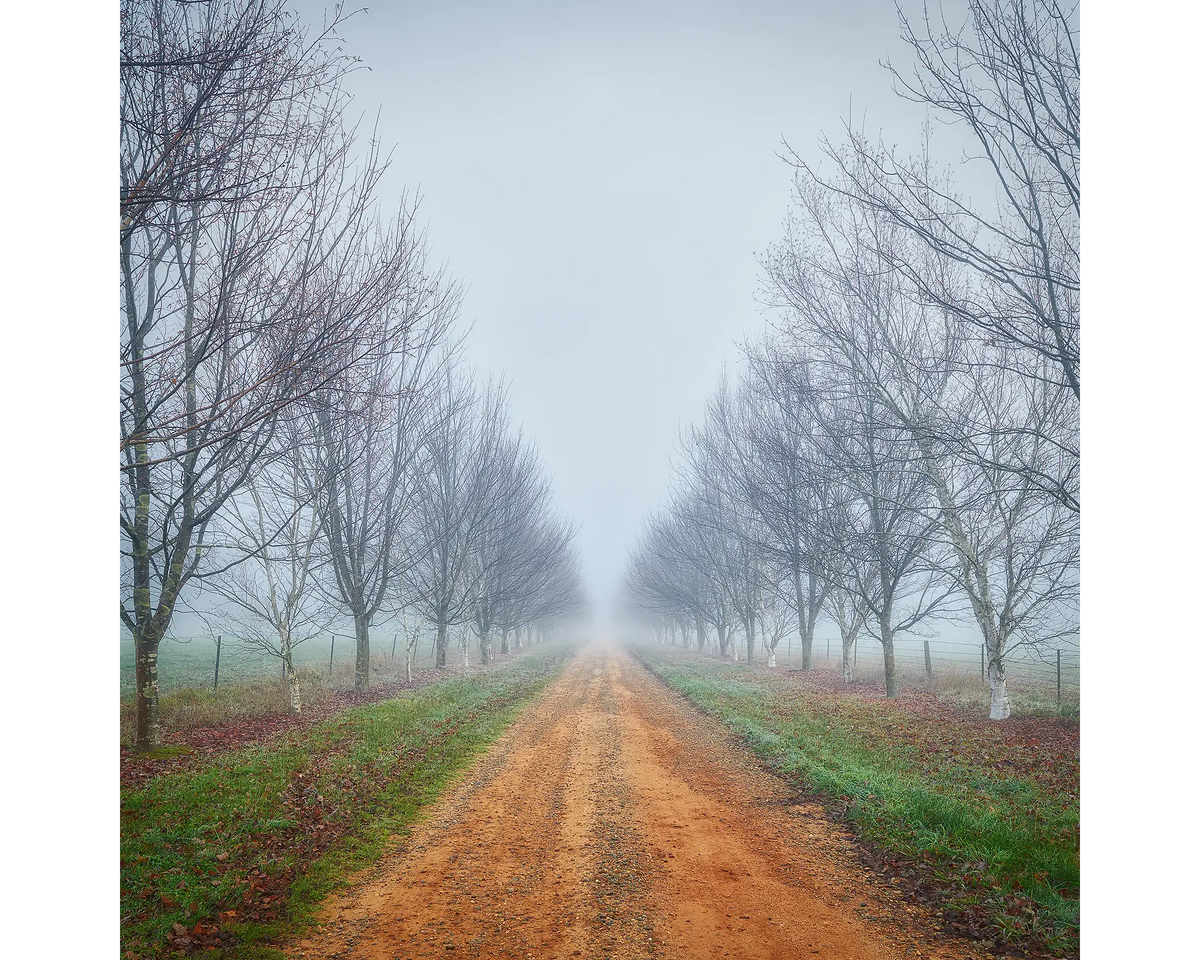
(614, 820)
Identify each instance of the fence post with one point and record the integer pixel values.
(928, 663)
(1058, 671)
(827, 660)
(982, 664)
(217, 671)
(332, 637)
(394, 637)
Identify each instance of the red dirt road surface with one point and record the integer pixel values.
(615, 820)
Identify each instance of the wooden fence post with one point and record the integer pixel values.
(928, 663)
(217, 671)
(332, 637)
(1058, 671)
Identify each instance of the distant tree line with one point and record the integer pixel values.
(298, 437)
(903, 442)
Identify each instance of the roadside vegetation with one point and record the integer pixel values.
(243, 708)
(227, 858)
(979, 819)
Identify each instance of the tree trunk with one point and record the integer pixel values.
(149, 737)
(517, 639)
(504, 641)
(441, 645)
(701, 639)
(293, 678)
(1001, 709)
(362, 652)
(723, 639)
(770, 655)
(750, 638)
(806, 627)
(889, 660)
(485, 647)
(975, 582)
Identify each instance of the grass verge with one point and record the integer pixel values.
(227, 859)
(981, 819)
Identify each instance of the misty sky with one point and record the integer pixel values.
(602, 176)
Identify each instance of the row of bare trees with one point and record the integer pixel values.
(903, 443)
(296, 437)
(411, 501)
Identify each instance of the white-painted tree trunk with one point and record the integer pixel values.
(1001, 709)
(770, 656)
(977, 585)
(849, 624)
(293, 679)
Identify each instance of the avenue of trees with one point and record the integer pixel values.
(903, 442)
(298, 438)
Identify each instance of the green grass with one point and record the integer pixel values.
(989, 820)
(247, 846)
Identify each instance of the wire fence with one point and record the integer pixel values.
(193, 662)
(201, 662)
(1057, 667)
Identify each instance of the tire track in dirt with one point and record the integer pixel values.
(614, 820)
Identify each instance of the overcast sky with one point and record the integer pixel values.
(602, 176)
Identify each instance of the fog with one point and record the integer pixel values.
(602, 179)
(604, 184)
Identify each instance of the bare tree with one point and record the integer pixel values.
(253, 278)
(1012, 78)
(371, 430)
(554, 590)
(201, 79)
(411, 627)
(717, 472)
(982, 432)
(458, 484)
(890, 565)
(539, 576)
(777, 617)
(786, 483)
(665, 576)
(508, 551)
(272, 531)
(838, 294)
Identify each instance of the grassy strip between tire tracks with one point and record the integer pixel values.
(992, 841)
(221, 861)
